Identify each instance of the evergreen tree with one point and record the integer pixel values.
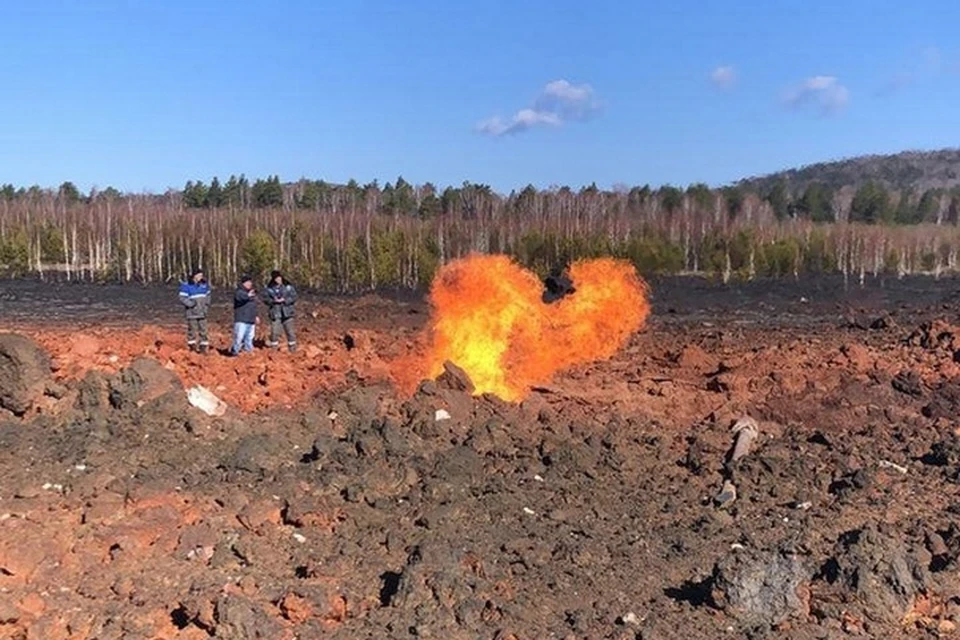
(267, 193)
(194, 194)
(214, 198)
(816, 203)
(671, 198)
(779, 200)
(734, 199)
(871, 204)
(929, 206)
(906, 212)
(69, 193)
(701, 196)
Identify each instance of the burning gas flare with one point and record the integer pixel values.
(488, 318)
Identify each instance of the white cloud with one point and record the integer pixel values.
(724, 78)
(558, 102)
(824, 92)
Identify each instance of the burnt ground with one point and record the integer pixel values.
(326, 504)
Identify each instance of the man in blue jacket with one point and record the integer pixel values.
(244, 316)
(280, 297)
(195, 297)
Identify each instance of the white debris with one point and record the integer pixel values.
(300, 538)
(736, 546)
(333, 415)
(200, 553)
(442, 414)
(803, 506)
(886, 464)
(538, 478)
(203, 399)
(49, 486)
(80, 467)
(114, 359)
(631, 618)
(745, 432)
(529, 511)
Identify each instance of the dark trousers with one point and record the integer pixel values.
(286, 326)
(197, 328)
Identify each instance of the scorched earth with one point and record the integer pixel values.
(328, 502)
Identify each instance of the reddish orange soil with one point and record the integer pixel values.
(328, 505)
(258, 380)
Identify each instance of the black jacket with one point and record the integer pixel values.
(244, 306)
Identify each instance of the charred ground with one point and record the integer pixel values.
(324, 504)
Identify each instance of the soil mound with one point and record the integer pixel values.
(24, 373)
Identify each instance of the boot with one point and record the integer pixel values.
(192, 347)
(203, 348)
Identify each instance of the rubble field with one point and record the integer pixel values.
(611, 502)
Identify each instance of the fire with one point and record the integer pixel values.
(488, 317)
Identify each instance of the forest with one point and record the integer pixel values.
(352, 237)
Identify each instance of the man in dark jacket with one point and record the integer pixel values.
(195, 297)
(244, 316)
(280, 297)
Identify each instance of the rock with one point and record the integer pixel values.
(92, 391)
(908, 382)
(239, 617)
(727, 495)
(932, 335)
(945, 453)
(875, 567)
(203, 399)
(24, 373)
(145, 380)
(257, 453)
(295, 608)
(945, 402)
(55, 390)
(259, 513)
(630, 618)
(454, 378)
(760, 587)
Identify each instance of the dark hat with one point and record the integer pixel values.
(246, 278)
(196, 272)
(275, 274)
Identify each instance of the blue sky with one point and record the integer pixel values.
(146, 95)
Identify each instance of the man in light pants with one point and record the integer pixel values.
(244, 316)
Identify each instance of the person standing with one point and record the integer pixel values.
(195, 297)
(244, 316)
(281, 296)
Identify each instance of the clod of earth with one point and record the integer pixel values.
(762, 587)
(883, 574)
(24, 373)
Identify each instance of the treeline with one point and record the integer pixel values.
(871, 203)
(352, 237)
(916, 170)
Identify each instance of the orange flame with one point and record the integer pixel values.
(488, 318)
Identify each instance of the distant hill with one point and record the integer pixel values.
(917, 170)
